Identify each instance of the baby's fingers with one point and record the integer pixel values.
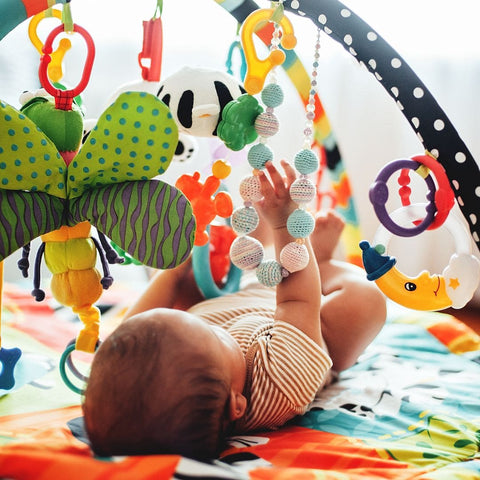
(265, 186)
(289, 172)
(277, 180)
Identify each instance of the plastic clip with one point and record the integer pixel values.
(54, 71)
(257, 69)
(64, 98)
(150, 58)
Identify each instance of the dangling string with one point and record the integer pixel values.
(67, 18)
(158, 9)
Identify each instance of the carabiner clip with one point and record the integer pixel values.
(258, 69)
(55, 72)
(64, 98)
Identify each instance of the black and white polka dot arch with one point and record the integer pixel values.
(433, 128)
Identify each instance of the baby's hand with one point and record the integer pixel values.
(276, 204)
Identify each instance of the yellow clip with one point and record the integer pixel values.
(257, 69)
(54, 70)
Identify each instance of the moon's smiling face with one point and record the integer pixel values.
(425, 292)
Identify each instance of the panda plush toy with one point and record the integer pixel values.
(197, 96)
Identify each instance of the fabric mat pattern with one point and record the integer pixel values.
(409, 409)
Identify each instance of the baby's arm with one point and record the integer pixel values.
(172, 288)
(298, 296)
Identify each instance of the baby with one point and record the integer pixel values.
(181, 373)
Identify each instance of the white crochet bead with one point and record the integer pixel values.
(294, 256)
(266, 124)
(246, 253)
(302, 190)
(250, 189)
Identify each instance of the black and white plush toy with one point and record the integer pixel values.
(197, 96)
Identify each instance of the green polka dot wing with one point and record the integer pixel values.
(45, 184)
(134, 139)
(29, 160)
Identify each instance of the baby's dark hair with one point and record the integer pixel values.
(146, 395)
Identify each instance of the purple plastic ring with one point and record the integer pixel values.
(378, 195)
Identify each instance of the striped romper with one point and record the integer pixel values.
(285, 368)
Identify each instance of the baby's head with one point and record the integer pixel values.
(164, 382)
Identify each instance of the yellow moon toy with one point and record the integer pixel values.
(453, 288)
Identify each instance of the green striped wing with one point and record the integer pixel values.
(151, 220)
(25, 216)
(134, 139)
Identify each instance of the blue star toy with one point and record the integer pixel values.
(8, 359)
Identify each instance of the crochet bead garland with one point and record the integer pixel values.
(246, 252)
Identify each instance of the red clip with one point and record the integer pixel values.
(64, 98)
(150, 58)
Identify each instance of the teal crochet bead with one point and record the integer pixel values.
(244, 220)
(300, 223)
(259, 155)
(306, 162)
(269, 273)
(272, 95)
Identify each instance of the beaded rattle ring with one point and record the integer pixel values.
(246, 252)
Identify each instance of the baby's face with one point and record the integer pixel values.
(201, 337)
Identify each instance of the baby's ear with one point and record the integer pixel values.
(238, 405)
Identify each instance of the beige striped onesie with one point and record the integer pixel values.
(285, 368)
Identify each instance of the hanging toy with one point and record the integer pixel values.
(441, 198)
(458, 281)
(246, 252)
(206, 203)
(59, 191)
(197, 98)
(210, 257)
(453, 288)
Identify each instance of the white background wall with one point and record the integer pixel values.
(440, 40)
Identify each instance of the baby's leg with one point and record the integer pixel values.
(353, 310)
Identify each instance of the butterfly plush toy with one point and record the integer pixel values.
(52, 188)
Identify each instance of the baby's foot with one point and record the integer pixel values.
(328, 228)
